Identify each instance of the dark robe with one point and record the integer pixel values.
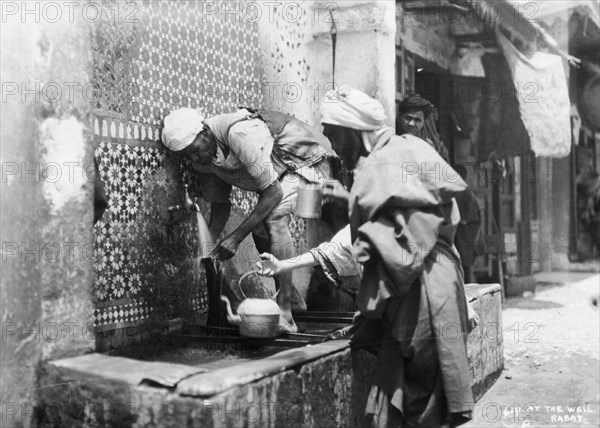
(403, 218)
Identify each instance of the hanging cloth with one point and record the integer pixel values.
(543, 98)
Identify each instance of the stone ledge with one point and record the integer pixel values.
(127, 370)
(474, 291)
(485, 342)
(190, 380)
(209, 384)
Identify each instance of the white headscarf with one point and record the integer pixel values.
(181, 128)
(352, 108)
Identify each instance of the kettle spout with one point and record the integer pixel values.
(233, 319)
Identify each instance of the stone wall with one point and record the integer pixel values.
(365, 50)
(174, 54)
(47, 184)
(322, 393)
(297, 53)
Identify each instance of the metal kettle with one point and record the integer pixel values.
(256, 317)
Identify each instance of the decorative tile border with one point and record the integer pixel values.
(119, 313)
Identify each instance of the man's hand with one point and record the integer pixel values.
(335, 190)
(226, 248)
(269, 265)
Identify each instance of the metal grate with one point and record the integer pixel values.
(317, 327)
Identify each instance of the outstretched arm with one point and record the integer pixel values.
(270, 266)
(334, 256)
(219, 214)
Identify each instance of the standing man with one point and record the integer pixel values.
(403, 218)
(266, 152)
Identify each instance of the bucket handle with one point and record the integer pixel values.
(244, 276)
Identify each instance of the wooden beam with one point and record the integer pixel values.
(475, 37)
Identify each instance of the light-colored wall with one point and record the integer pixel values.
(46, 282)
(297, 52)
(365, 49)
(284, 32)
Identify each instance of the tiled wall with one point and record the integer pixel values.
(176, 55)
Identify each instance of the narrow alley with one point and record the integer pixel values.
(551, 350)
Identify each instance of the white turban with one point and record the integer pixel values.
(352, 108)
(181, 128)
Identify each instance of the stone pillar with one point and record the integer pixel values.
(365, 49)
(545, 212)
(287, 82)
(561, 168)
(296, 51)
(47, 209)
(561, 211)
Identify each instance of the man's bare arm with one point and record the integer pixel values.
(267, 201)
(219, 214)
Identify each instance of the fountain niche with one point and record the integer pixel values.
(198, 370)
(188, 366)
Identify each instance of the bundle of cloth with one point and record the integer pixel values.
(403, 219)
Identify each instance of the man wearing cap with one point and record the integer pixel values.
(403, 217)
(266, 152)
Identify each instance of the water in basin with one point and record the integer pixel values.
(213, 356)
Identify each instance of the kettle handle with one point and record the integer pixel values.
(244, 276)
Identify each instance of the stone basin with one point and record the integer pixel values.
(206, 386)
(235, 383)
